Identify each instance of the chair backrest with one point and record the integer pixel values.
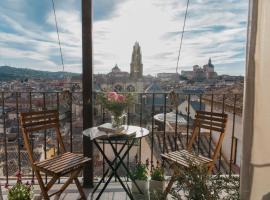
(210, 121)
(39, 121)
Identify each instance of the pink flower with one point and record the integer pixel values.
(19, 176)
(112, 96)
(121, 98)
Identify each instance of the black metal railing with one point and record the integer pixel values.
(13, 156)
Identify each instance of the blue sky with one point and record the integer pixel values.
(214, 28)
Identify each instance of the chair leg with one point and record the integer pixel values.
(77, 182)
(42, 186)
(51, 182)
(173, 178)
(72, 176)
(169, 186)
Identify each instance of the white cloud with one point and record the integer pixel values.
(214, 29)
(148, 22)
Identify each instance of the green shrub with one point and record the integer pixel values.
(20, 191)
(195, 183)
(157, 174)
(139, 172)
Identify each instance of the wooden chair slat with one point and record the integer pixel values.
(40, 117)
(65, 167)
(62, 162)
(52, 160)
(211, 118)
(213, 128)
(193, 156)
(201, 112)
(44, 112)
(211, 123)
(42, 127)
(39, 123)
(73, 165)
(184, 156)
(174, 160)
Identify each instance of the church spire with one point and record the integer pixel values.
(209, 61)
(136, 66)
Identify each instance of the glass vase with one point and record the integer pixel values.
(118, 121)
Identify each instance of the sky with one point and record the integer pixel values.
(214, 28)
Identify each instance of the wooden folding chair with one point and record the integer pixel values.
(209, 121)
(60, 165)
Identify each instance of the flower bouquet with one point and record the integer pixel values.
(116, 104)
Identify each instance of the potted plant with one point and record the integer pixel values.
(139, 173)
(20, 191)
(157, 182)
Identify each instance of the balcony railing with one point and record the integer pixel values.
(164, 136)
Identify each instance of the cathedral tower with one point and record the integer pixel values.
(136, 66)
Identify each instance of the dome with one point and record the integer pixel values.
(116, 69)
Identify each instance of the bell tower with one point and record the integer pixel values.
(136, 66)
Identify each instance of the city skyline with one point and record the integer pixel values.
(214, 29)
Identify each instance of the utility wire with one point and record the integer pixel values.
(181, 41)
(59, 42)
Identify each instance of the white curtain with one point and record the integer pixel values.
(255, 166)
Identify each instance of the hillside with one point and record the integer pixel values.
(12, 73)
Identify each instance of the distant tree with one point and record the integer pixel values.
(181, 77)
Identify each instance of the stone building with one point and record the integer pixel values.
(198, 73)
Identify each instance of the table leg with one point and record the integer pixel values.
(124, 165)
(114, 170)
(105, 174)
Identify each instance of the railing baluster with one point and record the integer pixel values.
(235, 149)
(233, 128)
(18, 132)
(31, 134)
(176, 124)
(103, 142)
(30, 101)
(210, 139)
(57, 107)
(115, 164)
(5, 136)
(152, 138)
(70, 123)
(220, 152)
(188, 116)
(199, 134)
(164, 123)
(128, 122)
(179, 137)
(141, 109)
(45, 134)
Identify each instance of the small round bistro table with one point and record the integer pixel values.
(171, 117)
(127, 137)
